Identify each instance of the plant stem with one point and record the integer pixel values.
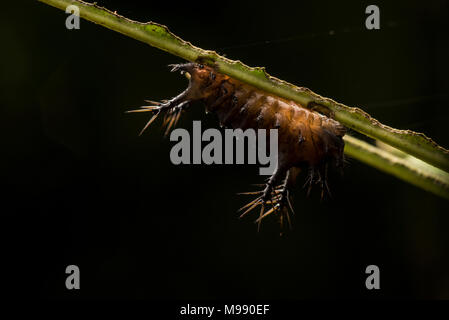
(403, 167)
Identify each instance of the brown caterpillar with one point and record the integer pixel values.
(307, 140)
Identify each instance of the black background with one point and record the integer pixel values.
(80, 187)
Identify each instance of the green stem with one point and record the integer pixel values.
(416, 144)
(403, 167)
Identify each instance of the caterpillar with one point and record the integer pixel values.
(307, 140)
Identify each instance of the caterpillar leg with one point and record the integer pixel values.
(318, 175)
(285, 205)
(272, 199)
(172, 109)
(277, 199)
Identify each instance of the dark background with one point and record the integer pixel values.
(80, 187)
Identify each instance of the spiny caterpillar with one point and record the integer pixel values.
(307, 140)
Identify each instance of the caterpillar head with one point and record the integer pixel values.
(204, 80)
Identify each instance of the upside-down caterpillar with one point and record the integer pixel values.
(307, 140)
